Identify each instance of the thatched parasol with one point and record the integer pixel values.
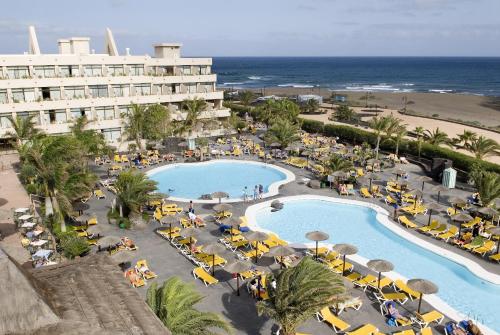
(432, 207)
(94, 230)
(424, 179)
(345, 249)
(399, 172)
(189, 232)
(373, 161)
(423, 286)
(257, 237)
(219, 195)
(440, 189)
(212, 250)
(461, 218)
(237, 267)
(222, 207)
(233, 222)
(380, 265)
(170, 220)
(317, 236)
(455, 201)
(488, 211)
(281, 251)
(123, 257)
(80, 207)
(108, 241)
(370, 176)
(340, 174)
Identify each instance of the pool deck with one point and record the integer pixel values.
(240, 311)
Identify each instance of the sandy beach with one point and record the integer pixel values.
(485, 110)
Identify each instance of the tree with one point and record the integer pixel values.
(283, 132)
(337, 163)
(311, 106)
(344, 113)
(467, 137)
(273, 110)
(194, 108)
(300, 292)
(483, 147)
(419, 132)
(92, 142)
(134, 190)
(436, 137)
(399, 134)
(379, 126)
(487, 184)
(174, 302)
(24, 129)
(134, 125)
(157, 123)
(246, 97)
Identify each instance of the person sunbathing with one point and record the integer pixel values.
(128, 242)
(394, 312)
(455, 330)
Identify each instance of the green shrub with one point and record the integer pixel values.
(73, 245)
(240, 110)
(312, 126)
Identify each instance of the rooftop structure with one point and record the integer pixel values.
(59, 88)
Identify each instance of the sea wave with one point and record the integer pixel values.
(233, 83)
(441, 91)
(377, 87)
(255, 78)
(296, 85)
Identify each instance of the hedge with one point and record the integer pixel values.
(429, 151)
(240, 109)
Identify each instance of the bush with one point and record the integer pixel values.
(312, 126)
(240, 110)
(73, 245)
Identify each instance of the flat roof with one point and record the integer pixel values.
(175, 45)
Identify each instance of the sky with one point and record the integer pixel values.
(262, 27)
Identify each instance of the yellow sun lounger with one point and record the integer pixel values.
(365, 193)
(204, 276)
(384, 282)
(405, 221)
(495, 257)
(397, 296)
(434, 224)
(425, 319)
(402, 287)
(367, 329)
(99, 194)
(439, 230)
(363, 282)
(337, 324)
(390, 200)
(353, 276)
(143, 269)
(472, 223)
(487, 247)
(451, 233)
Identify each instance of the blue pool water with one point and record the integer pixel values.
(357, 225)
(190, 181)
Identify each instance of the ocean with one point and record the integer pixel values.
(477, 76)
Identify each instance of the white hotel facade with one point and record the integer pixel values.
(59, 88)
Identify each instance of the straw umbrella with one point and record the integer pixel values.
(418, 195)
(80, 207)
(424, 179)
(94, 230)
(257, 237)
(461, 218)
(432, 206)
(422, 286)
(455, 201)
(440, 189)
(123, 257)
(234, 223)
(281, 251)
(371, 176)
(222, 207)
(399, 172)
(345, 249)
(212, 250)
(170, 220)
(489, 212)
(189, 232)
(219, 195)
(496, 231)
(380, 265)
(108, 241)
(237, 267)
(317, 236)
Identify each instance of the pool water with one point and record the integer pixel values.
(191, 181)
(357, 225)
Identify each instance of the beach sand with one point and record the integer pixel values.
(485, 110)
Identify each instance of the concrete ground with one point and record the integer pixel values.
(240, 311)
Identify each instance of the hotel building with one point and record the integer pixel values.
(59, 88)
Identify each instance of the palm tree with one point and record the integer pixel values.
(344, 113)
(283, 132)
(273, 110)
(246, 97)
(436, 137)
(194, 108)
(300, 292)
(311, 106)
(134, 190)
(467, 137)
(379, 126)
(399, 135)
(135, 124)
(483, 147)
(24, 128)
(393, 125)
(174, 302)
(337, 163)
(487, 184)
(419, 131)
(92, 142)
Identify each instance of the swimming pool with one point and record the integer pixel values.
(460, 289)
(189, 181)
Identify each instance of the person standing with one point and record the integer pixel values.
(256, 193)
(191, 207)
(245, 194)
(261, 191)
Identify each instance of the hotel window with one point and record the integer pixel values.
(51, 93)
(121, 90)
(143, 89)
(124, 110)
(77, 113)
(165, 70)
(115, 70)
(136, 70)
(112, 135)
(5, 122)
(35, 116)
(18, 72)
(206, 87)
(74, 92)
(157, 89)
(191, 88)
(23, 95)
(55, 116)
(105, 113)
(204, 69)
(47, 71)
(3, 96)
(69, 70)
(93, 70)
(98, 91)
(186, 70)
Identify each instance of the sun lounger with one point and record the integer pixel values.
(451, 233)
(384, 282)
(365, 193)
(143, 269)
(405, 221)
(425, 319)
(402, 287)
(477, 242)
(204, 276)
(246, 255)
(237, 244)
(134, 278)
(397, 296)
(485, 248)
(414, 210)
(390, 200)
(439, 230)
(99, 194)
(353, 276)
(405, 332)
(363, 282)
(471, 223)
(321, 251)
(338, 325)
(495, 257)
(367, 329)
(434, 224)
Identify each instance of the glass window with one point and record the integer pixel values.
(35, 116)
(55, 116)
(124, 110)
(204, 69)
(121, 90)
(79, 112)
(69, 70)
(5, 122)
(112, 135)
(105, 113)
(115, 70)
(23, 95)
(18, 72)
(93, 70)
(98, 91)
(186, 70)
(157, 89)
(136, 70)
(3, 96)
(191, 88)
(74, 92)
(206, 87)
(47, 71)
(143, 89)
(55, 93)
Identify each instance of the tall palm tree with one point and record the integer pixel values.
(393, 125)
(379, 126)
(311, 106)
(483, 147)
(24, 128)
(194, 108)
(283, 132)
(246, 97)
(92, 142)
(487, 184)
(134, 126)
(436, 137)
(337, 163)
(399, 134)
(273, 110)
(300, 292)
(467, 137)
(134, 190)
(174, 302)
(419, 132)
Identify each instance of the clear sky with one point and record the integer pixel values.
(263, 27)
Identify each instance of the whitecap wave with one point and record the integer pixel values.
(441, 91)
(255, 78)
(233, 83)
(296, 85)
